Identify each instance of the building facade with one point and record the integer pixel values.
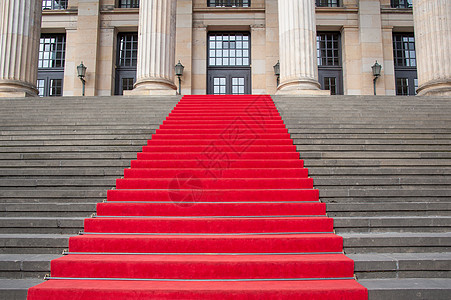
(226, 46)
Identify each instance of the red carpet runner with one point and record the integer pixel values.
(217, 206)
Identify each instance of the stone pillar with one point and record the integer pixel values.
(297, 48)
(20, 28)
(156, 48)
(432, 19)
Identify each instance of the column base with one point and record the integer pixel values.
(435, 88)
(304, 87)
(157, 87)
(17, 89)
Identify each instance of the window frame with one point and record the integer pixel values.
(131, 4)
(328, 3)
(53, 6)
(229, 3)
(125, 71)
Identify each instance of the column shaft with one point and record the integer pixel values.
(156, 47)
(433, 46)
(297, 47)
(20, 27)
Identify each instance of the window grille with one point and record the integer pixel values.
(404, 50)
(229, 3)
(328, 3)
(401, 3)
(54, 4)
(129, 3)
(229, 49)
(328, 49)
(128, 50)
(52, 51)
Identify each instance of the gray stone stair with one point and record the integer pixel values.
(382, 165)
(58, 157)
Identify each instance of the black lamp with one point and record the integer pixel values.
(277, 71)
(81, 70)
(179, 73)
(376, 73)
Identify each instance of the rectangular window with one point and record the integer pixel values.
(330, 84)
(54, 4)
(401, 3)
(237, 85)
(219, 85)
(52, 51)
(229, 50)
(327, 3)
(404, 57)
(128, 4)
(328, 49)
(126, 62)
(229, 3)
(404, 50)
(402, 86)
(51, 62)
(128, 50)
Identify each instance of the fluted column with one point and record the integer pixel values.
(20, 27)
(433, 46)
(156, 48)
(297, 47)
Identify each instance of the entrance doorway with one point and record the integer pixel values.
(229, 70)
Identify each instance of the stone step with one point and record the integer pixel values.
(48, 172)
(72, 149)
(397, 242)
(408, 288)
(41, 225)
(317, 172)
(83, 155)
(402, 265)
(379, 162)
(33, 243)
(375, 155)
(31, 182)
(25, 266)
(16, 289)
(382, 224)
(417, 180)
(46, 210)
(386, 209)
(114, 141)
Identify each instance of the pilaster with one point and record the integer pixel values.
(20, 27)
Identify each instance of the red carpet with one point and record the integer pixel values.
(218, 205)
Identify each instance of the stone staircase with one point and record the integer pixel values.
(383, 166)
(58, 157)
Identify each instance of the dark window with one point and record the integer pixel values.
(229, 50)
(229, 62)
(127, 59)
(404, 50)
(401, 3)
(404, 57)
(54, 4)
(328, 49)
(327, 3)
(229, 3)
(330, 71)
(128, 50)
(52, 51)
(128, 4)
(51, 61)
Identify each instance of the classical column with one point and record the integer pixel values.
(297, 48)
(156, 48)
(433, 46)
(20, 27)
